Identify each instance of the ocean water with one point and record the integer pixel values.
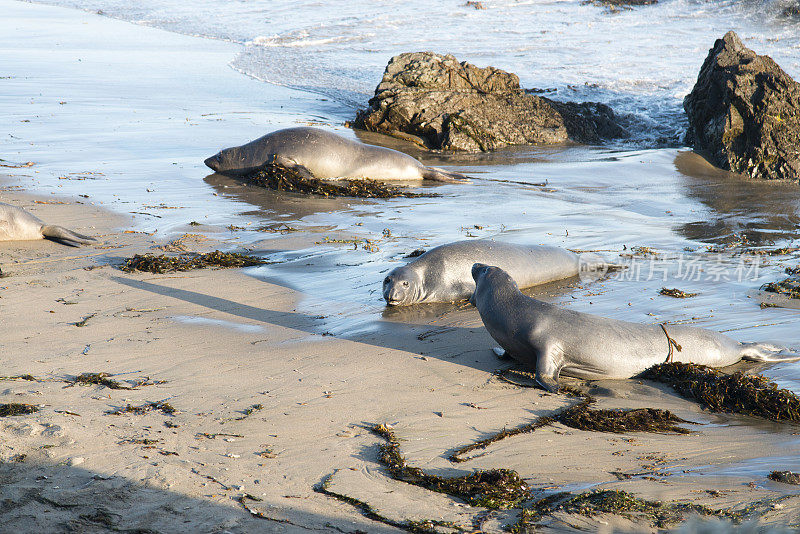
(640, 61)
(326, 58)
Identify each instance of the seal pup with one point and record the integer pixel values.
(444, 273)
(17, 224)
(554, 340)
(316, 153)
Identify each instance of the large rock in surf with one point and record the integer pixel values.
(444, 104)
(744, 113)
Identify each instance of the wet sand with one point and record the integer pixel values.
(275, 373)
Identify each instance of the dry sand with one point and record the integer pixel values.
(217, 342)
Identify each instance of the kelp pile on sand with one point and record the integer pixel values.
(787, 477)
(789, 287)
(582, 417)
(15, 408)
(494, 488)
(619, 421)
(99, 379)
(676, 293)
(621, 503)
(104, 379)
(161, 406)
(736, 393)
(162, 263)
(280, 178)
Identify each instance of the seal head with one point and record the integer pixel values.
(403, 286)
(235, 160)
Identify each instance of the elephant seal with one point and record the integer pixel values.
(554, 340)
(315, 153)
(17, 224)
(443, 274)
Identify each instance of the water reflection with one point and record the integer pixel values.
(280, 205)
(762, 212)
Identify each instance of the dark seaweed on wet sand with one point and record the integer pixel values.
(789, 287)
(493, 488)
(162, 263)
(736, 393)
(282, 179)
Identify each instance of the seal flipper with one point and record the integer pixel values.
(766, 352)
(68, 237)
(440, 175)
(548, 369)
(291, 165)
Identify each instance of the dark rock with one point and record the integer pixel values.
(444, 104)
(791, 11)
(744, 113)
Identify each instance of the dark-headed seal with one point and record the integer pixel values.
(554, 340)
(444, 273)
(315, 153)
(17, 224)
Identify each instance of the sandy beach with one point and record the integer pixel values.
(256, 390)
(267, 405)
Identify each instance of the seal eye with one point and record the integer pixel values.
(405, 283)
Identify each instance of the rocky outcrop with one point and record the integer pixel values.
(744, 113)
(447, 105)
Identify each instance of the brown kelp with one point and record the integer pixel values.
(16, 408)
(789, 287)
(279, 178)
(163, 263)
(417, 527)
(163, 407)
(100, 379)
(735, 393)
(494, 488)
(622, 503)
(787, 477)
(676, 293)
(582, 417)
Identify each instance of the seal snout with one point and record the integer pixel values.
(396, 290)
(392, 292)
(213, 162)
(477, 269)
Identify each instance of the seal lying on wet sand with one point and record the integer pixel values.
(444, 273)
(554, 340)
(315, 153)
(17, 224)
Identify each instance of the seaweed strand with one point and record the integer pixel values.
(494, 488)
(582, 417)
